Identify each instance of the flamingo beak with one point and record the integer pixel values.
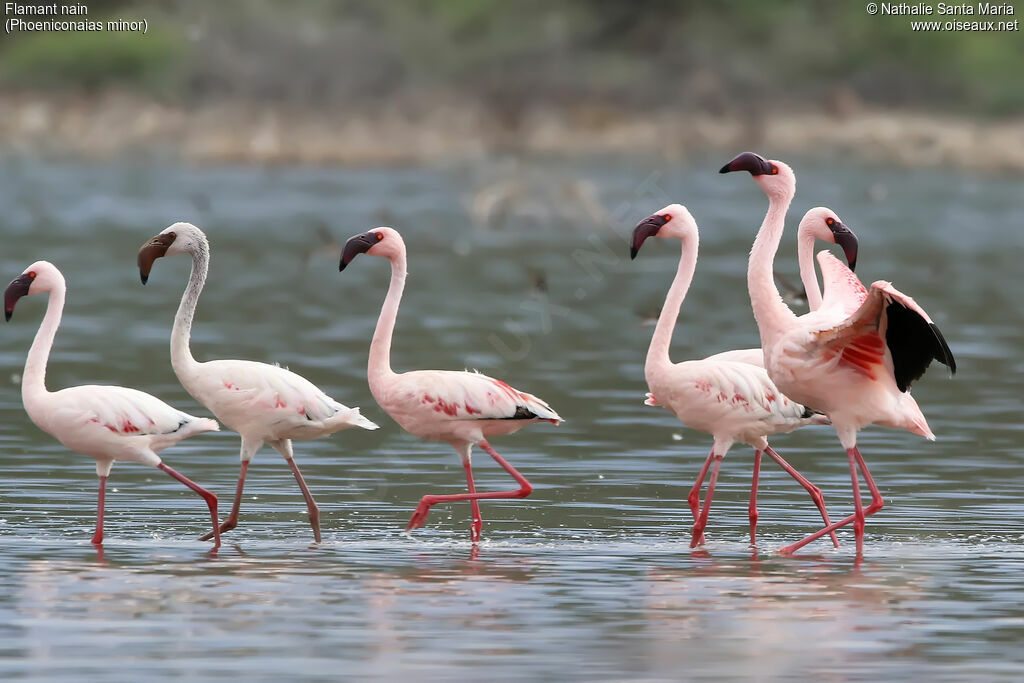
(748, 161)
(356, 245)
(847, 241)
(648, 227)
(18, 288)
(151, 251)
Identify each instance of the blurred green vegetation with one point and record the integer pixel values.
(686, 54)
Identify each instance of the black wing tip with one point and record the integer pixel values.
(946, 357)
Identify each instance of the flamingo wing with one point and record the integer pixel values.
(889, 329)
(842, 287)
(124, 411)
(746, 356)
(272, 390)
(474, 396)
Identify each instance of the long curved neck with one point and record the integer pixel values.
(770, 311)
(379, 367)
(805, 254)
(657, 353)
(33, 380)
(181, 355)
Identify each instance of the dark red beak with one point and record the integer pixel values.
(648, 227)
(17, 289)
(847, 241)
(359, 244)
(752, 163)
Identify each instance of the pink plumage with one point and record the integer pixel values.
(460, 408)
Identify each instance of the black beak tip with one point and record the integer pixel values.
(7, 315)
(725, 169)
(632, 253)
(341, 266)
(144, 278)
(853, 265)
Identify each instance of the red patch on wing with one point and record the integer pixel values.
(302, 411)
(769, 397)
(722, 398)
(445, 407)
(128, 427)
(229, 385)
(510, 391)
(471, 410)
(863, 353)
(279, 403)
(428, 399)
(703, 385)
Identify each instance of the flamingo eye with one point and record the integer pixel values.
(32, 274)
(666, 218)
(379, 237)
(830, 222)
(775, 169)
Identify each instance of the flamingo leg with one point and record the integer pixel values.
(232, 521)
(816, 495)
(419, 517)
(478, 522)
(211, 500)
(752, 508)
(698, 528)
(314, 511)
(877, 503)
(97, 538)
(694, 498)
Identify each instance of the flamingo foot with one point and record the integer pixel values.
(474, 530)
(228, 525)
(419, 517)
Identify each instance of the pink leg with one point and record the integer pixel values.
(858, 506)
(816, 495)
(876, 504)
(478, 522)
(694, 498)
(314, 511)
(419, 517)
(97, 538)
(232, 521)
(698, 528)
(752, 508)
(211, 500)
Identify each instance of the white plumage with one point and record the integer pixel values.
(107, 423)
(263, 403)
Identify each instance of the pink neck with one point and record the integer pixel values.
(379, 367)
(657, 353)
(33, 381)
(772, 314)
(805, 254)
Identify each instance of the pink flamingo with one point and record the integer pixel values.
(461, 408)
(730, 400)
(856, 367)
(106, 423)
(818, 224)
(263, 403)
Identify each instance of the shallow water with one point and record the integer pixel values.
(589, 578)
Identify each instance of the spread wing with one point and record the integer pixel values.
(888, 332)
(842, 287)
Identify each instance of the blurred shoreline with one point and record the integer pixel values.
(114, 124)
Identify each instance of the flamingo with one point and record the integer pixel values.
(263, 403)
(104, 422)
(730, 400)
(461, 408)
(856, 367)
(818, 223)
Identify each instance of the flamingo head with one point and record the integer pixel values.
(41, 276)
(179, 238)
(824, 224)
(384, 242)
(672, 221)
(774, 177)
